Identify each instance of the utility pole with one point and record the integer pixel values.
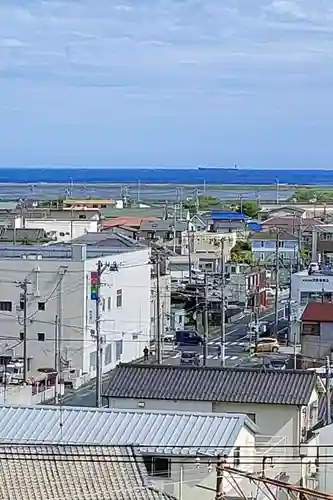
(219, 490)
(222, 319)
(205, 346)
(328, 391)
(24, 288)
(96, 288)
(276, 300)
(158, 306)
(56, 358)
(189, 252)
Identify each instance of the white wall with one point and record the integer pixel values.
(78, 311)
(128, 324)
(65, 230)
(45, 285)
(325, 460)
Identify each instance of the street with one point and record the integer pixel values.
(236, 339)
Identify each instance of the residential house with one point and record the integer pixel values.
(61, 286)
(125, 221)
(317, 330)
(246, 284)
(264, 249)
(66, 471)
(294, 224)
(208, 242)
(62, 224)
(25, 236)
(87, 204)
(139, 211)
(179, 265)
(268, 211)
(168, 232)
(281, 403)
(227, 221)
(175, 447)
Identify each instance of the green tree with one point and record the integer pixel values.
(204, 203)
(241, 252)
(311, 195)
(249, 208)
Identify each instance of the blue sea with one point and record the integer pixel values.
(189, 176)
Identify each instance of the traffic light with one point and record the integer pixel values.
(93, 285)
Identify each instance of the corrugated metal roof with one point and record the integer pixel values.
(172, 433)
(230, 385)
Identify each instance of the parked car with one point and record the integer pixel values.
(188, 337)
(190, 358)
(168, 338)
(265, 344)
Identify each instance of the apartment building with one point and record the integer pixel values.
(60, 285)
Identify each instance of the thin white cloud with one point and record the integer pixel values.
(114, 61)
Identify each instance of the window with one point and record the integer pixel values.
(252, 416)
(233, 269)
(21, 335)
(262, 256)
(311, 329)
(157, 466)
(40, 337)
(281, 244)
(237, 457)
(61, 234)
(41, 306)
(119, 349)
(103, 305)
(109, 303)
(108, 354)
(5, 305)
(82, 216)
(119, 297)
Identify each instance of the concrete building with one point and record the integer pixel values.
(317, 330)
(59, 283)
(307, 288)
(208, 242)
(65, 225)
(169, 443)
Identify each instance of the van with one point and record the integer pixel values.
(188, 337)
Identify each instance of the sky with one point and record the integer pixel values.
(166, 83)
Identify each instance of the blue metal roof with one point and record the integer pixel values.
(227, 215)
(254, 226)
(172, 433)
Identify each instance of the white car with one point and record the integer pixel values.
(168, 338)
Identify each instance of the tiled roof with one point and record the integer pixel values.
(291, 223)
(172, 433)
(163, 225)
(133, 221)
(231, 385)
(318, 312)
(53, 472)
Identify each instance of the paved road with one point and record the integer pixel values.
(236, 341)
(235, 355)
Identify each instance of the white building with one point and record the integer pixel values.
(65, 225)
(307, 288)
(283, 404)
(175, 446)
(59, 289)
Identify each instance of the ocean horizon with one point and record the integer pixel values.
(162, 175)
